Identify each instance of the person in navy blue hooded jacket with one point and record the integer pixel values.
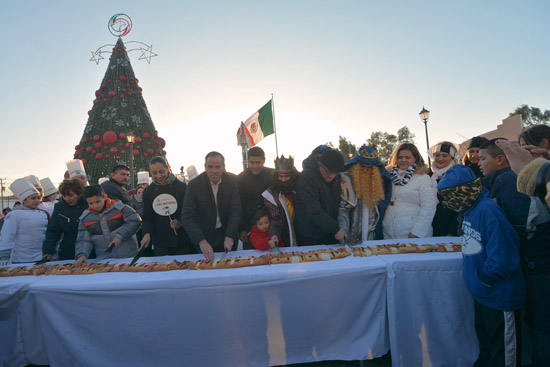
(491, 269)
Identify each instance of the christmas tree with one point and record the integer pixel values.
(118, 110)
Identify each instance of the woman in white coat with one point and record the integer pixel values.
(24, 227)
(414, 196)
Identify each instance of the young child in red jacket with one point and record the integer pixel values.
(259, 236)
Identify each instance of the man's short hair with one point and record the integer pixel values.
(214, 154)
(120, 167)
(6, 211)
(256, 152)
(93, 190)
(492, 149)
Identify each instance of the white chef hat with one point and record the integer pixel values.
(191, 172)
(34, 181)
(49, 187)
(22, 188)
(75, 167)
(102, 180)
(142, 177)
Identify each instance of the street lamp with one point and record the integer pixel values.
(424, 115)
(130, 138)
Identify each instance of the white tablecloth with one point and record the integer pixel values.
(261, 316)
(256, 316)
(430, 312)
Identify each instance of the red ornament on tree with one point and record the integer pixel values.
(97, 138)
(77, 147)
(111, 93)
(84, 161)
(122, 78)
(103, 86)
(98, 145)
(122, 135)
(138, 139)
(89, 149)
(114, 150)
(83, 140)
(150, 151)
(106, 156)
(146, 135)
(127, 145)
(161, 142)
(135, 152)
(99, 156)
(93, 151)
(110, 137)
(122, 151)
(117, 157)
(120, 144)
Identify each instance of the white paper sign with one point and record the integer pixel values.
(165, 204)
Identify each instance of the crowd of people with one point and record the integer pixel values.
(496, 198)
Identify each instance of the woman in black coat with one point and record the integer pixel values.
(167, 235)
(64, 221)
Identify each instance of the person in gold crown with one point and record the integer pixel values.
(279, 200)
(366, 193)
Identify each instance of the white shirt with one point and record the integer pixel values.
(215, 187)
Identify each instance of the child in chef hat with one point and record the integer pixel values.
(75, 168)
(24, 227)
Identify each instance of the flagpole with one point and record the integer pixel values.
(242, 142)
(274, 127)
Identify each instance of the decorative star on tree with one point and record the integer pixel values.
(96, 56)
(147, 54)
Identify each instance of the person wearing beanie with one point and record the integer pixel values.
(471, 158)
(24, 227)
(491, 266)
(444, 156)
(318, 199)
(366, 193)
(414, 197)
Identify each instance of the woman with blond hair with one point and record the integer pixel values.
(414, 196)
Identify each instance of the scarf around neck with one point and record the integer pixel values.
(439, 172)
(406, 178)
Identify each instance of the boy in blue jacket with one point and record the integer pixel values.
(491, 268)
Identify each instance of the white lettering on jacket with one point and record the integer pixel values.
(471, 240)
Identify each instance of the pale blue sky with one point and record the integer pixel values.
(335, 67)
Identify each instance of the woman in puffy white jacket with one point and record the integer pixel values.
(414, 196)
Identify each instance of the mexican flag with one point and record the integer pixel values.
(259, 125)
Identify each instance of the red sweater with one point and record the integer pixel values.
(260, 239)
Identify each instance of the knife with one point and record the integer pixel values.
(277, 246)
(138, 255)
(225, 254)
(110, 248)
